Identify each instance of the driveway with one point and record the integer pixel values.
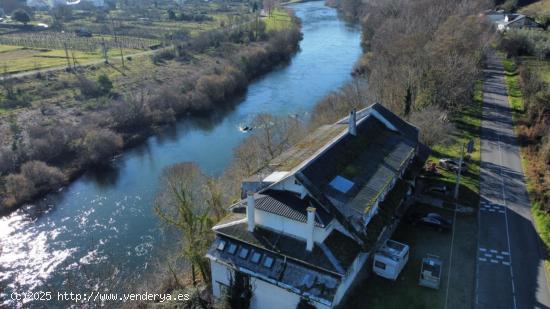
(510, 268)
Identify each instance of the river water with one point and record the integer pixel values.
(101, 232)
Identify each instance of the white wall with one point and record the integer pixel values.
(350, 277)
(264, 295)
(220, 273)
(268, 296)
(289, 184)
(289, 226)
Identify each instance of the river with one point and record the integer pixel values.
(101, 232)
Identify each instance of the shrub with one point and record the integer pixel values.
(17, 188)
(42, 176)
(100, 144)
(105, 84)
(545, 150)
(163, 54)
(131, 113)
(87, 87)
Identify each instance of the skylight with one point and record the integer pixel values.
(268, 262)
(243, 254)
(232, 249)
(341, 184)
(221, 245)
(256, 256)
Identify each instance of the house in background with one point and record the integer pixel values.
(312, 219)
(505, 21)
(52, 3)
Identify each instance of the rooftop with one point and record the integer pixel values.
(357, 169)
(341, 246)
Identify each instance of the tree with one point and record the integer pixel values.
(60, 14)
(21, 16)
(105, 84)
(182, 203)
(171, 15)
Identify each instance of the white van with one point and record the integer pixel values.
(390, 259)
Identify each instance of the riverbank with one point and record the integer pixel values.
(71, 121)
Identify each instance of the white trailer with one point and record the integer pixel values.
(390, 260)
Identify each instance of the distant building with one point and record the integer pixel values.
(313, 219)
(505, 21)
(52, 3)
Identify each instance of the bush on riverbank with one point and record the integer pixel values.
(34, 178)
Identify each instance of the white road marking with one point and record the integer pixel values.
(494, 261)
(494, 251)
(482, 249)
(505, 253)
(500, 257)
(506, 220)
(488, 255)
(483, 259)
(506, 263)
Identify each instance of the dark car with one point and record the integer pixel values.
(432, 219)
(452, 165)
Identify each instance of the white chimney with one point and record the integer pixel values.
(352, 127)
(250, 210)
(310, 226)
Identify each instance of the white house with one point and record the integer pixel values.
(302, 236)
(505, 21)
(52, 3)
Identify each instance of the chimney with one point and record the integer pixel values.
(250, 210)
(310, 226)
(352, 127)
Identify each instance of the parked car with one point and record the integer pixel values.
(452, 164)
(432, 219)
(438, 189)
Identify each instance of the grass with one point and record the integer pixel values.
(278, 19)
(468, 124)
(515, 96)
(20, 59)
(405, 291)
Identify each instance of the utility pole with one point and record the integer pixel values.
(469, 147)
(67, 56)
(116, 41)
(459, 172)
(104, 46)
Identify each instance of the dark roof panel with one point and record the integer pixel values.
(289, 205)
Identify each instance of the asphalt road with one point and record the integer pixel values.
(510, 268)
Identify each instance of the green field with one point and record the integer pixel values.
(16, 59)
(278, 19)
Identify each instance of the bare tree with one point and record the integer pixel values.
(182, 203)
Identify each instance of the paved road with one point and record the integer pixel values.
(510, 269)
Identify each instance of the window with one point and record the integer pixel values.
(379, 264)
(221, 245)
(341, 184)
(243, 254)
(224, 288)
(232, 249)
(268, 262)
(256, 256)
